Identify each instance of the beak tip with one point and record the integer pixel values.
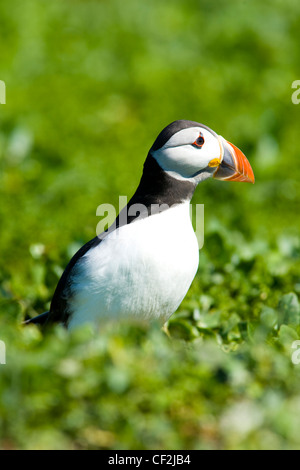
(241, 168)
(251, 176)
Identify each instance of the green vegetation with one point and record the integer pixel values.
(89, 86)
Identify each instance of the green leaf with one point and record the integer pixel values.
(269, 317)
(289, 310)
(182, 329)
(209, 320)
(287, 336)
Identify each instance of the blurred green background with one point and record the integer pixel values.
(90, 84)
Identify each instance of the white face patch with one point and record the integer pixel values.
(183, 160)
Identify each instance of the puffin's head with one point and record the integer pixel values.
(191, 151)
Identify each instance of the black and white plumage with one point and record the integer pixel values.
(144, 265)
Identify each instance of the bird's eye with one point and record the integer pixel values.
(199, 142)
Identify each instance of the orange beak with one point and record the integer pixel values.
(234, 166)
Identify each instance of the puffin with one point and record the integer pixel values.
(142, 266)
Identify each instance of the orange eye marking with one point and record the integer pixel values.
(200, 141)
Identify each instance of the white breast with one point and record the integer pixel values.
(141, 270)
